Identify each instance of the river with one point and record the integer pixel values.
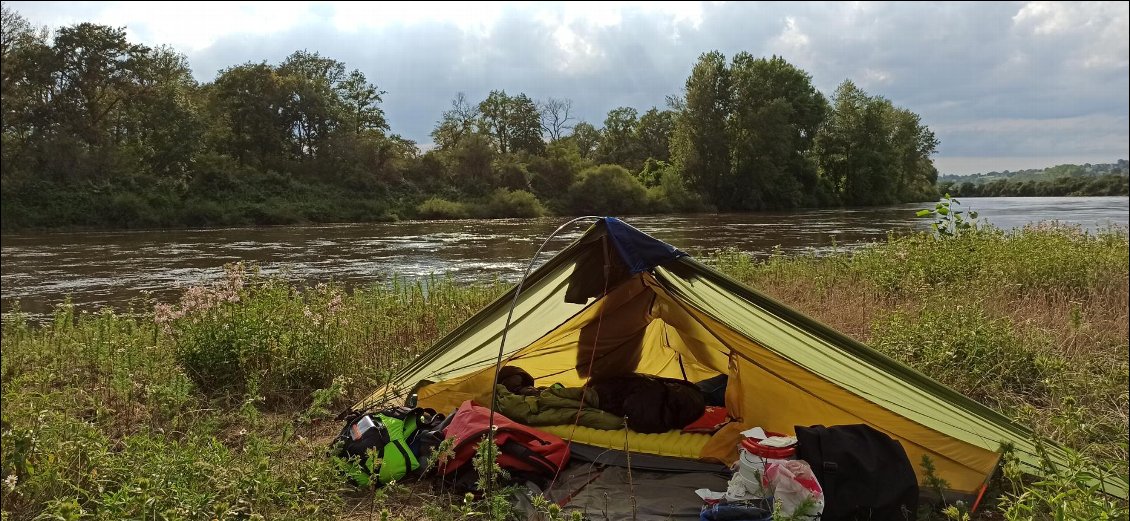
(98, 269)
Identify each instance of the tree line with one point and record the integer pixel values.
(1061, 180)
(102, 132)
(1105, 184)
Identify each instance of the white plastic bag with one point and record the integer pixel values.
(794, 485)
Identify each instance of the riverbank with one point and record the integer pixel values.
(219, 406)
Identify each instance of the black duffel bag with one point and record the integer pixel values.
(864, 473)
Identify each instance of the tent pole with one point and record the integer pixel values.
(502, 348)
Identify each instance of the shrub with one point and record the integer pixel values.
(607, 189)
(512, 174)
(517, 203)
(1046, 258)
(258, 336)
(58, 464)
(1073, 491)
(672, 195)
(127, 209)
(203, 212)
(437, 208)
(551, 176)
(273, 211)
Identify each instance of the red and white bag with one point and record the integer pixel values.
(793, 484)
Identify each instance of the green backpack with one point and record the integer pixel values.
(390, 432)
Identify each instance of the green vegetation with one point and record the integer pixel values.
(502, 203)
(101, 132)
(1087, 179)
(213, 407)
(217, 405)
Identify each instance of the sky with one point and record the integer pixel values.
(1004, 85)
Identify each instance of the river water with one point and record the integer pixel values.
(98, 269)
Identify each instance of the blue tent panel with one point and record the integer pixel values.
(640, 251)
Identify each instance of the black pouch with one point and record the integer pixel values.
(362, 434)
(428, 438)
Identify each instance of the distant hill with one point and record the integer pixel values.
(1042, 174)
(1060, 180)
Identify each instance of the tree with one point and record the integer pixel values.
(313, 109)
(871, 152)
(26, 88)
(511, 173)
(362, 103)
(699, 149)
(513, 123)
(526, 126)
(97, 73)
(164, 116)
(654, 131)
(13, 28)
(17, 35)
(587, 139)
(472, 165)
(552, 175)
(93, 104)
(913, 143)
(457, 122)
(619, 143)
(250, 101)
(555, 117)
(775, 115)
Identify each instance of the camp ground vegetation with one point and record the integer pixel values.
(219, 405)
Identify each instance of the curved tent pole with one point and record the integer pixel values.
(502, 345)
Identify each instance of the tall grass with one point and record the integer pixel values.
(215, 406)
(250, 334)
(1032, 322)
(199, 409)
(100, 422)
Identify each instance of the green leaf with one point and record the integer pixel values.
(353, 470)
(359, 477)
(924, 213)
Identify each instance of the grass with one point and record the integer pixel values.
(217, 406)
(1033, 322)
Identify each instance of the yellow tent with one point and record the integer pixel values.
(618, 300)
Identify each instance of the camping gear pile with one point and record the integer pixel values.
(618, 302)
(870, 472)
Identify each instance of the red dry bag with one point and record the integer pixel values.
(523, 451)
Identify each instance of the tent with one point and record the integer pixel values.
(617, 300)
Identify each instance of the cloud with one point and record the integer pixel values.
(997, 81)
